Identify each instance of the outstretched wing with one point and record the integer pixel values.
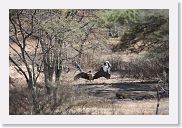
(102, 73)
(83, 75)
(97, 75)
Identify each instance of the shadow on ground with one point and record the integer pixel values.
(110, 90)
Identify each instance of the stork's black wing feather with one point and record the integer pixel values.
(83, 75)
(97, 75)
(102, 73)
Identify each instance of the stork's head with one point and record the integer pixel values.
(107, 63)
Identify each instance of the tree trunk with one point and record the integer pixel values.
(48, 76)
(33, 93)
(47, 79)
(58, 70)
(30, 84)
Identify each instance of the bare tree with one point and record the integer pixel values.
(22, 27)
(21, 30)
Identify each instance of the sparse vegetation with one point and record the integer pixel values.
(44, 42)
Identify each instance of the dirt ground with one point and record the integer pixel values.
(123, 107)
(101, 95)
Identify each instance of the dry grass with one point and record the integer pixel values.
(77, 101)
(144, 107)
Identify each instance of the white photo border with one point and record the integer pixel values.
(172, 5)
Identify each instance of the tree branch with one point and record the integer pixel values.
(19, 68)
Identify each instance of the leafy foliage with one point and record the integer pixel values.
(150, 32)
